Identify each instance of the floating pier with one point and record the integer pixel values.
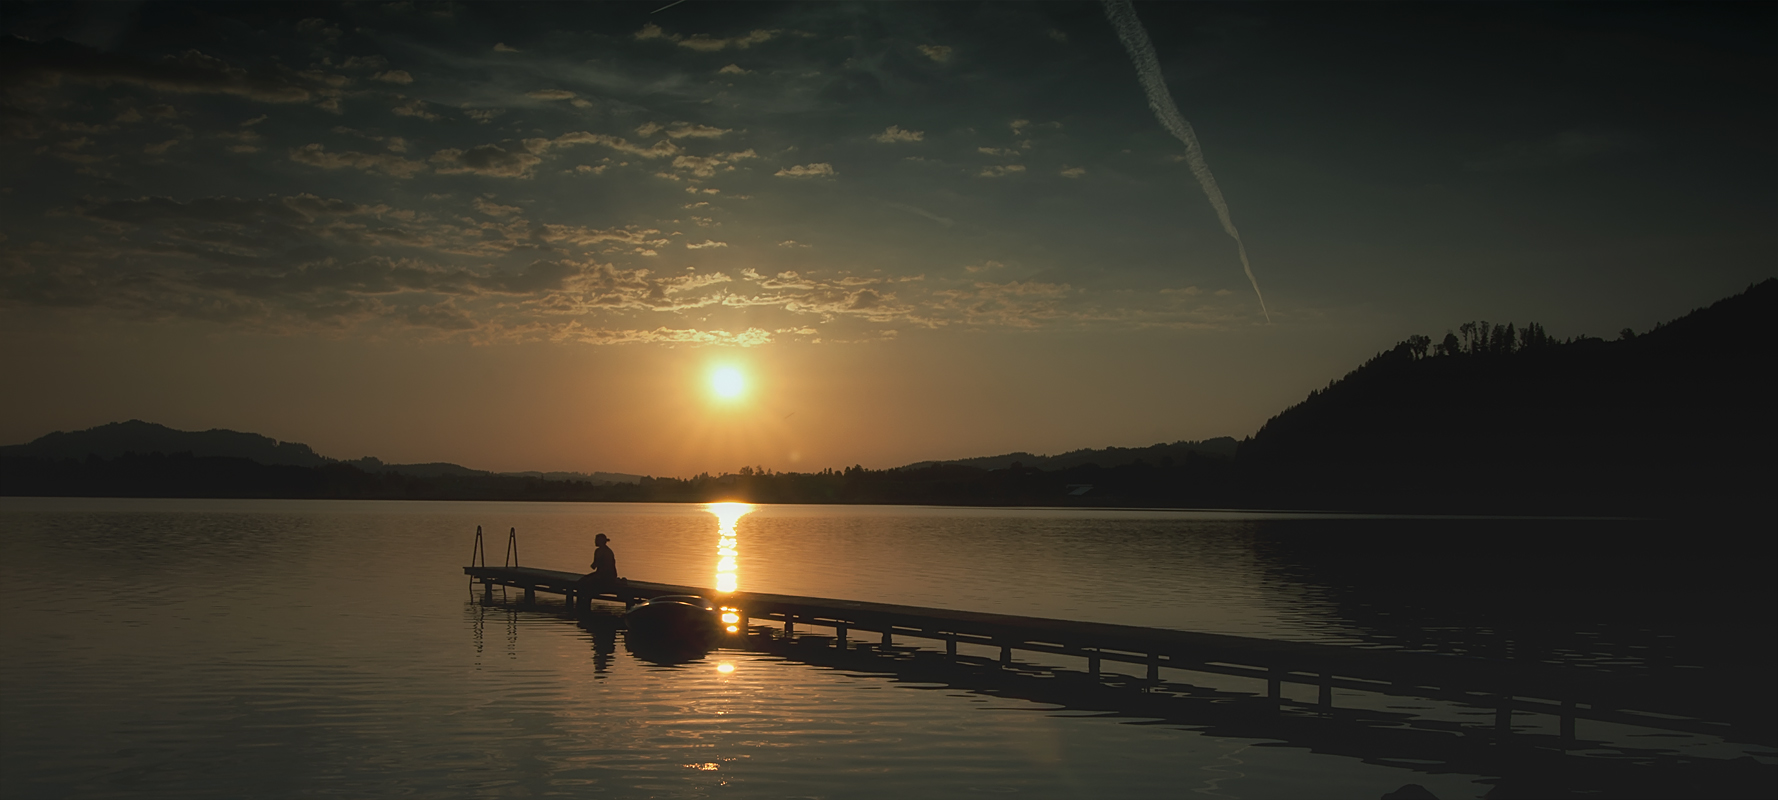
(1568, 693)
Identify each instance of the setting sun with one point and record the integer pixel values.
(728, 382)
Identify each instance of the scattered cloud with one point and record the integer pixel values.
(316, 155)
(400, 76)
(791, 243)
(39, 65)
(936, 52)
(707, 166)
(734, 69)
(704, 42)
(417, 109)
(494, 209)
(704, 245)
(681, 130)
(490, 160)
(550, 94)
(985, 266)
(1074, 172)
(1000, 171)
(921, 212)
(709, 44)
(502, 47)
(894, 133)
(817, 170)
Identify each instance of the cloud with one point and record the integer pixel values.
(501, 47)
(894, 133)
(791, 243)
(660, 149)
(708, 44)
(493, 209)
(985, 266)
(400, 76)
(488, 159)
(394, 143)
(550, 94)
(1000, 171)
(752, 337)
(704, 245)
(817, 170)
(45, 65)
(707, 166)
(1073, 172)
(316, 155)
(681, 130)
(734, 69)
(997, 151)
(703, 42)
(364, 62)
(417, 109)
(936, 52)
(920, 212)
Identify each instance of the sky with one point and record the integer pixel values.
(522, 237)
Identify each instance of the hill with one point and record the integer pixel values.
(117, 439)
(1220, 447)
(1501, 418)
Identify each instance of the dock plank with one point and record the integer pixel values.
(1387, 671)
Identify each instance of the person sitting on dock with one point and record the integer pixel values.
(603, 579)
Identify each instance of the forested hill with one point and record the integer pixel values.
(1221, 447)
(1493, 415)
(135, 436)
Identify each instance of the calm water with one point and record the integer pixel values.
(184, 648)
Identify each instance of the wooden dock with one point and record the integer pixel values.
(1506, 686)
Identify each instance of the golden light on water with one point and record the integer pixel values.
(727, 514)
(725, 668)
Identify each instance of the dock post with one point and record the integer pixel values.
(1503, 715)
(487, 592)
(1154, 667)
(888, 638)
(530, 596)
(1568, 722)
(1275, 684)
(839, 636)
(1326, 698)
(1006, 655)
(790, 623)
(950, 644)
(1093, 663)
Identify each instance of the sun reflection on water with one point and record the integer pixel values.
(727, 514)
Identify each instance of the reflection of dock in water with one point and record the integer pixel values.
(1509, 688)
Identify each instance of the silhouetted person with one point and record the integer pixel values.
(603, 578)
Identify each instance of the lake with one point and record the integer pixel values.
(217, 648)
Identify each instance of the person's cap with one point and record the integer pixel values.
(601, 539)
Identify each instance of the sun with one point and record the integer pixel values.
(728, 383)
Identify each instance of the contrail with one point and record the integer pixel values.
(667, 6)
(1135, 39)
